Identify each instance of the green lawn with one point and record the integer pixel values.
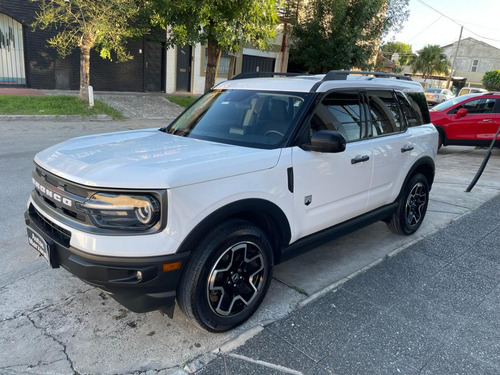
(53, 105)
(184, 101)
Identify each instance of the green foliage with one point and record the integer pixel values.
(225, 25)
(53, 105)
(104, 25)
(430, 60)
(340, 34)
(232, 23)
(402, 49)
(491, 80)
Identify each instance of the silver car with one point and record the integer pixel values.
(436, 96)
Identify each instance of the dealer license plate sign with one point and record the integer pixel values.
(39, 244)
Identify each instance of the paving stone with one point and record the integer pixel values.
(444, 247)
(387, 345)
(226, 365)
(435, 319)
(450, 362)
(269, 347)
(319, 328)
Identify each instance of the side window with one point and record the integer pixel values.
(384, 114)
(339, 111)
(477, 106)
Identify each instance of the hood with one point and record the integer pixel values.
(150, 159)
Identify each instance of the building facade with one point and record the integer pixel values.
(474, 58)
(27, 61)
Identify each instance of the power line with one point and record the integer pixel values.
(454, 21)
(425, 29)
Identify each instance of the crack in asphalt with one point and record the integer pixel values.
(47, 334)
(38, 308)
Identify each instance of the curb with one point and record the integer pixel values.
(55, 118)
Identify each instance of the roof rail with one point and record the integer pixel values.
(265, 74)
(335, 75)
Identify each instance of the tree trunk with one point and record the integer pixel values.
(232, 63)
(213, 53)
(84, 72)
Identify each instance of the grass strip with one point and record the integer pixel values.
(183, 101)
(59, 105)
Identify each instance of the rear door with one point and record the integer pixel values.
(391, 143)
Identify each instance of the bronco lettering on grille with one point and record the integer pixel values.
(51, 194)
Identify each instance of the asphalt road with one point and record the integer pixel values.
(52, 322)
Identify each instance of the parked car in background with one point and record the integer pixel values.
(468, 120)
(470, 90)
(436, 96)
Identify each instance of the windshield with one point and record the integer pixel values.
(262, 119)
(450, 103)
(433, 91)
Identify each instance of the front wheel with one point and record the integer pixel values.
(228, 276)
(412, 206)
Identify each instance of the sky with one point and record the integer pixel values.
(480, 18)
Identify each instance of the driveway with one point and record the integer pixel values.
(52, 322)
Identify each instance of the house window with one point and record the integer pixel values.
(475, 64)
(223, 64)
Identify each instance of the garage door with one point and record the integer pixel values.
(12, 70)
(257, 64)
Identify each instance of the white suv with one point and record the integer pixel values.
(200, 211)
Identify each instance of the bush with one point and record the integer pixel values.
(491, 80)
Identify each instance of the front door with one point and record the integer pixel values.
(153, 64)
(341, 181)
(183, 82)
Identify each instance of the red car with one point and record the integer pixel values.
(468, 120)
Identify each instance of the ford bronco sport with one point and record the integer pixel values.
(201, 210)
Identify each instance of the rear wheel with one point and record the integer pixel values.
(228, 276)
(412, 206)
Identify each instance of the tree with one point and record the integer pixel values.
(430, 60)
(85, 24)
(223, 25)
(491, 80)
(340, 34)
(404, 51)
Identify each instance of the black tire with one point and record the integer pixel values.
(440, 140)
(227, 277)
(412, 206)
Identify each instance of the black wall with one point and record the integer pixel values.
(46, 70)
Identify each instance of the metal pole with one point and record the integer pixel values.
(483, 164)
(448, 86)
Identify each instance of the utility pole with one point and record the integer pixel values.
(448, 86)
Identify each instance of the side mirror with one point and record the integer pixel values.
(330, 141)
(461, 113)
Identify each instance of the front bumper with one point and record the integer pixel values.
(139, 283)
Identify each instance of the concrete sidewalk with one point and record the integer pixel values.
(433, 308)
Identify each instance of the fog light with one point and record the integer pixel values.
(138, 275)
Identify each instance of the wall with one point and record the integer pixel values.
(198, 64)
(471, 50)
(46, 70)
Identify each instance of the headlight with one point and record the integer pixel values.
(122, 211)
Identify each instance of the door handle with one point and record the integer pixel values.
(407, 148)
(487, 120)
(359, 159)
